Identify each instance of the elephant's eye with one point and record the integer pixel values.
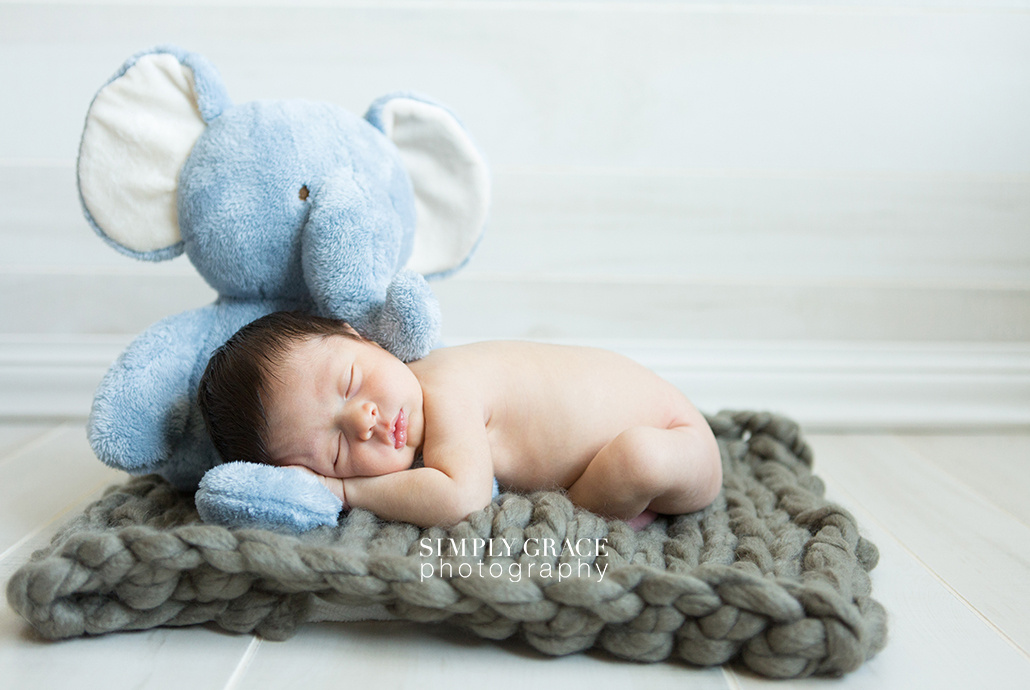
(303, 193)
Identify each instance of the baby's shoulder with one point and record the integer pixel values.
(448, 368)
(483, 367)
(505, 358)
(456, 358)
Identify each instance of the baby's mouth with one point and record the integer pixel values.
(399, 431)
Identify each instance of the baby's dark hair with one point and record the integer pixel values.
(238, 375)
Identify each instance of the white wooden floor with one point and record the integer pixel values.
(948, 512)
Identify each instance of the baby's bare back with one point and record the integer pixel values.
(549, 409)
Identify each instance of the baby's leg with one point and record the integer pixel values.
(671, 471)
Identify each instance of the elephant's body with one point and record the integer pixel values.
(152, 388)
(278, 205)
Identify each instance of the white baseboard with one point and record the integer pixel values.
(938, 386)
(53, 375)
(823, 385)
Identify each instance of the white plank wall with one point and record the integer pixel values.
(820, 207)
(685, 175)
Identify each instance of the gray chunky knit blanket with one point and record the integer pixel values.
(771, 575)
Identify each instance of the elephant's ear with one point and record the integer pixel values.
(139, 131)
(449, 176)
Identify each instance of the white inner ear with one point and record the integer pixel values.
(139, 132)
(452, 185)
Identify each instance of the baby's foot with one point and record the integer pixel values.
(643, 520)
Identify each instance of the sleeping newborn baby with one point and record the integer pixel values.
(302, 391)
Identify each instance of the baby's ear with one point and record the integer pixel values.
(350, 330)
(449, 176)
(140, 129)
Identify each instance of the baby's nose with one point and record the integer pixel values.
(368, 415)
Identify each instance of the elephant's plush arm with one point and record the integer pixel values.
(246, 494)
(141, 407)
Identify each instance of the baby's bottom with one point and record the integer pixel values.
(671, 471)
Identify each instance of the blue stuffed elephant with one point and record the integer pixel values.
(279, 205)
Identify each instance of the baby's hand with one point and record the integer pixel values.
(332, 483)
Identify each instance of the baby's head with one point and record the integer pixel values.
(295, 389)
(240, 375)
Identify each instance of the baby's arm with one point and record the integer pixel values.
(424, 496)
(674, 471)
